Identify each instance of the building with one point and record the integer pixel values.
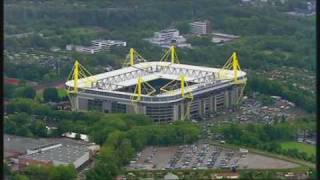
(167, 37)
(200, 27)
(12, 81)
(55, 154)
(223, 38)
(243, 152)
(22, 151)
(162, 90)
(73, 135)
(170, 176)
(108, 43)
(226, 175)
(97, 46)
(88, 49)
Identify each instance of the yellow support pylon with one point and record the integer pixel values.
(233, 64)
(133, 58)
(136, 98)
(172, 53)
(78, 73)
(76, 77)
(138, 90)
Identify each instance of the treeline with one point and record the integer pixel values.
(22, 91)
(268, 137)
(34, 172)
(272, 174)
(26, 91)
(22, 124)
(64, 120)
(120, 146)
(302, 98)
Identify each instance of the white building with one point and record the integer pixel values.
(88, 49)
(108, 43)
(223, 38)
(97, 46)
(73, 135)
(200, 27)
(167, 37)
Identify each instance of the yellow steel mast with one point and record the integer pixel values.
(78, 73)
(172, 54)
(133, 58)
(233, 64)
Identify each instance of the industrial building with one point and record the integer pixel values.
(164, 90)
(23, 151)
(56, 154)
(200, 27)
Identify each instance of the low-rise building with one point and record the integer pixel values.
(97, 46)
(223, 38)
(167, 37)
(226, 175)
(88, 49)
(56, 154)
(74, 136)
(108, 43)
(22, 151)
(200, 27)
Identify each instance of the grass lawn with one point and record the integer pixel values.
(302, 147)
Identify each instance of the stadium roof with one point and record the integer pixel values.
(155, 70)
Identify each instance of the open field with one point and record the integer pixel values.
(302, 147)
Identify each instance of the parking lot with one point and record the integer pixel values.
(202, 156)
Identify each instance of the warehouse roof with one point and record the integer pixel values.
(19, 145)
(64, 154)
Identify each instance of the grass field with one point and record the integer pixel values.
(302, 147)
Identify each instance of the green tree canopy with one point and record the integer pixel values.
(50, 94)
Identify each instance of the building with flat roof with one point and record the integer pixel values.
(165, 38)
(88, 49)
(223, 38)
(24, 151)
(200, 27)
(108, 43)
(56, 154)
(163, 90)
(96, 46)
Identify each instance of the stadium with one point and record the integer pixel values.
(164, 90)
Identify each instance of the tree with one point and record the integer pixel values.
(25, 92)
(19, 177)
(8, 90)
(183, 27)
(39, 128)
(36, 172)
(62, 173)
(6, 168)
(50, 94)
